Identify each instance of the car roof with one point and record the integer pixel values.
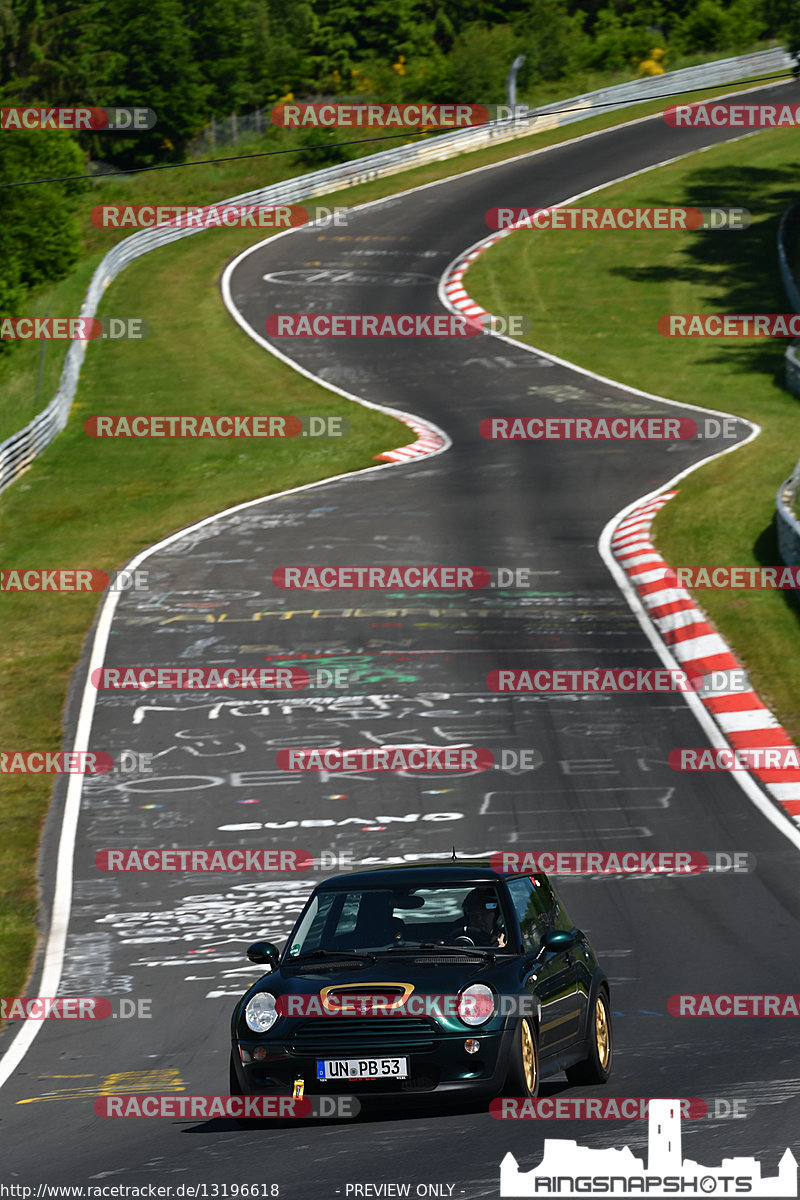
(418, 874)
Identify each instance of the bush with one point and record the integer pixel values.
(709, 26)
(40, 237)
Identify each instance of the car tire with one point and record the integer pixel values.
(523, 1068)
(596, 1067)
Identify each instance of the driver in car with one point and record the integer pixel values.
(482, 917)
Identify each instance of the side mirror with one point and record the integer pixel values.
(263, 952)
(557, 939)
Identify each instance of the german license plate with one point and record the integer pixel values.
(362, 1068)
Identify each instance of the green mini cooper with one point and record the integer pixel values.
(433, 979)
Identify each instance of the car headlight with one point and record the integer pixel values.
(476, 1004)
(260, 1013)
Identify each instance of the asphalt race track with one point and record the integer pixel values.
(176, 941)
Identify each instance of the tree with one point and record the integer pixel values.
(40, 237)
(154, 69)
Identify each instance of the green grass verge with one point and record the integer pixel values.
(97, 503)
(595, 297)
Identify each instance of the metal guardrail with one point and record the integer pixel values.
(788, 526)
(786, 230)
(18, 451)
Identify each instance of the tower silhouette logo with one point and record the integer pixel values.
(568, 1169)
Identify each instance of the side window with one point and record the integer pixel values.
(559, 915)
(530, 910)
(309, 933)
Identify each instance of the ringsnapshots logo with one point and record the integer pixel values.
(395, 325)
(568, 1169)
(78, 119)
(615, 219)
(216, 216)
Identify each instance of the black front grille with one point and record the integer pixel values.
(351, 1034)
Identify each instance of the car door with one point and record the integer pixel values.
(552, 977)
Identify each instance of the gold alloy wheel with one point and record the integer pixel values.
(601, 1032)
(528, 1057)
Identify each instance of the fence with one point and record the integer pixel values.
(788, 527)
(18, 451)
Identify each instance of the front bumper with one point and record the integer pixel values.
(437, 1064)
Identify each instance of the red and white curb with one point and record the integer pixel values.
(744, 721)
(458, 298)
(428, 441)
(453, 285)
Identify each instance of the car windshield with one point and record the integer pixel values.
(382, 918)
